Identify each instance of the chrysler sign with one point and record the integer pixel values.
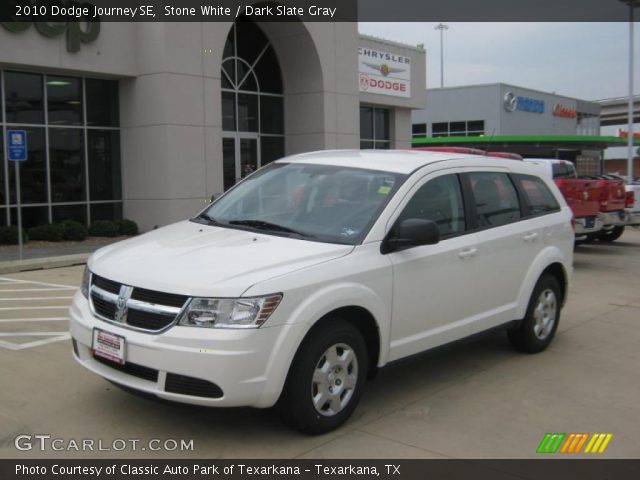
(384, 73)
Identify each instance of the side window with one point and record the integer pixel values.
(495, 198)
(439, 200)
(539, 198)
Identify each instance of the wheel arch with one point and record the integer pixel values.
(550, 261)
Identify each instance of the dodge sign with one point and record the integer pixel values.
(384, 73)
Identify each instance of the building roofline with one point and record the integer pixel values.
(509, 85)
(393, 43)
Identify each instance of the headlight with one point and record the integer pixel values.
(229, 312)
(86, 279)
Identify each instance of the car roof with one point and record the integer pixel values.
(398, 161)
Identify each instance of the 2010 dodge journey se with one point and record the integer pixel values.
(298, 283)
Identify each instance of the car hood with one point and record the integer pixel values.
(200, 260)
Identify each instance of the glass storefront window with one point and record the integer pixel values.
(228, 111)
(31, 216)
(102, 103)
(73, 162)
(271, 114)
(64, 100)
(66, 165)
(24, 98)
(3, 186)
(272, 148)
(374, 128)
(70, 212)
(104, 164)
(247, 112)
(106, 211)
(252, 102)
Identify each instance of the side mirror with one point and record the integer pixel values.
(411, 232)
(214, 197)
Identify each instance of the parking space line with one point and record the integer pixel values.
(33, 289)
(41, 319)
(34, 308)
(14, 285)
(44, 284)
(55, 337)
(33, 298)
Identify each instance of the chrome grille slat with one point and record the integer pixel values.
(147, 316)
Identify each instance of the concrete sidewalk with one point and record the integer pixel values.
(39, 255)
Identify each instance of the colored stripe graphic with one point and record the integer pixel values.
(574, 443)
(551, 442)
(598, 443)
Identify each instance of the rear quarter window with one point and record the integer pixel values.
(538, 198)
(563, 170)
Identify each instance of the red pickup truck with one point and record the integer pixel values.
(582, 195)
(612, 207)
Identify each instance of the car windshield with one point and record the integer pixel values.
(313, 202)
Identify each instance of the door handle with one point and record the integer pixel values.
(468, 253)
(530, 237)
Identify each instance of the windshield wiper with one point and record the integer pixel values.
(262, 225)
(209, 220)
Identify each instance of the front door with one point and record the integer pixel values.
(240, 157)
(435, 287)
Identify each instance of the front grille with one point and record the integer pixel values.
(134, 307)
(129, 368)
(160, 298)
(103, 307)
(148, 321)
(108, 285)
(191, 386)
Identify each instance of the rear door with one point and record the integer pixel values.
(507, 245)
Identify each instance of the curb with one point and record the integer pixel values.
(44, 263)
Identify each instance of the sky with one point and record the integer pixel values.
(583, 60)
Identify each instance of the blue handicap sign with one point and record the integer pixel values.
(17, 145)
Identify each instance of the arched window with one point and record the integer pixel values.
(252, 102)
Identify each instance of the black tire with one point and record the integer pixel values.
(536, 331)
(611, 235)
(296, 404)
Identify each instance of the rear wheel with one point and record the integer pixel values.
(326, 378)
(610, 235)
(539, 326)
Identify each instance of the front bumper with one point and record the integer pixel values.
(586, 225)
(614, 218)
(248, 365)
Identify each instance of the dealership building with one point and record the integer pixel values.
(503, 117)
(148, 120)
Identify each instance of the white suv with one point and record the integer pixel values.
(303, 279)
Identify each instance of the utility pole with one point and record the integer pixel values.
(442, 27)
(632, 4)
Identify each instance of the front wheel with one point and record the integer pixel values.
(326, 378)
(611, 235)
(540, 323)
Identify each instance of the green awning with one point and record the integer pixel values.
(558, 141)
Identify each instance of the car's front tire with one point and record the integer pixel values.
(536, 331)
(326, 378)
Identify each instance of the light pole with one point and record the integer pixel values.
(442, 27)
(632, 4)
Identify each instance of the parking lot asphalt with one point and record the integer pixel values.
(476, 399)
